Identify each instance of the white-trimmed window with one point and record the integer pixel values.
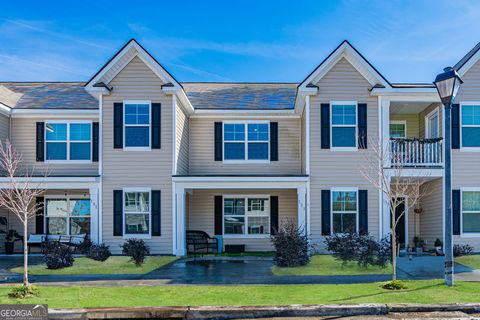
(137, 212)
(398, 129)
(344, 124)
(246, 141)
(471, 212)
(137, 124)
(344, 210)
(68, 140)
(246, 215)
(67, 215)
(470, 119)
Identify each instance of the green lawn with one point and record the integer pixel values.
(432, 291)
(113, 265)
(327, 265)
(472, 261)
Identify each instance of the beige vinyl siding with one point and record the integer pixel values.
(201, 213)
(24, 140)
(182, 140)
(202, 150)
(150, 169)
(411, 122)
(330, 169)
(115, 68)
(4, 127)
(431, 219)
(422, 120)
(304, 139)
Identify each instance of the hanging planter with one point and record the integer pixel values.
(418, 210)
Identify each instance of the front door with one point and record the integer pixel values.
(400, 229)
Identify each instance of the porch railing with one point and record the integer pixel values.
(416, 152)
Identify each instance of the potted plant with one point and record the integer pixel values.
(418, 244)
(438, 244)
(9, 242)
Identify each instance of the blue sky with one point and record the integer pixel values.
(274, 41)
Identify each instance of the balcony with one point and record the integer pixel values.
(416, 152)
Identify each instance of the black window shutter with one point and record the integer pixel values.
(325, 125)
(325, 212)
(218, 141)
(273, 141)
(39, 217)
(95, 141)
(456, 211)
(156, 212)
(156, 125)
(40, 141)
(273, 214)
(362, 126)
(363, 211)
(117, 212)
(218, 215)
(118, 125)
(455, 126)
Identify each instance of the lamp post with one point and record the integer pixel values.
(447, 84)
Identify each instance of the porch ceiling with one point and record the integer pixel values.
(408, 107)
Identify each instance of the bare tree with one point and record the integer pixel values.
(20, 194)
(396, 186)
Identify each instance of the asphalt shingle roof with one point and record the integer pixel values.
(241, 96)
(47, 95)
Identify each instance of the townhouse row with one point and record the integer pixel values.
(133, 153)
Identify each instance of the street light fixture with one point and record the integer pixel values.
(447, 84)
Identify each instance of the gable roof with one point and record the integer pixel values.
(129, 51)
(46, 95)
(464, 64)
(354, 57)
(241, 96)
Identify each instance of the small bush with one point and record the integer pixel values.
(437, 243)
(23, 291)
(292, 248)
(363, 249)
(462, 250)
(84, 247)
(57, 256)
(100, 252)
(136, 249)
(394, 285)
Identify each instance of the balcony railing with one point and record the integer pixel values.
(416, 152)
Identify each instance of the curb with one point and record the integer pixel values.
(244, 312)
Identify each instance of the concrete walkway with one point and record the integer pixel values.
(233, 271)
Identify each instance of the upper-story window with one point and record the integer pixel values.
(68, 141)
(398, 129)
(470, 125)
(137, 124)
(344, 125)
(246, 141)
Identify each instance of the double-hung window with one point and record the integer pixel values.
(246, 215)
(137, 212)
(470, 125)
(246, 141)
(344, 211)
(398, 129)
(471, 212)
(344, 125)
(68, 141)
(137, 122)
(67, 215)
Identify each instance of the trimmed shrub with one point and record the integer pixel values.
(136, 249)
(100, 252)
(363, 249)
(394, 285)
(23, 291)
(84, 247)
(462, 250)
(57, 256)
(292, 248)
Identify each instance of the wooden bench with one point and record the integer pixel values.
(200, 242)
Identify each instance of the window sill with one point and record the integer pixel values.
(137, 149)
(249, 236)
(136, 236)
(246, 161)
(68, 161)
(344, 148)
(470, 235)
(470, 149)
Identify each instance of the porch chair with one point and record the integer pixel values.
(200, 242)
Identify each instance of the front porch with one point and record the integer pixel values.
(240, 211)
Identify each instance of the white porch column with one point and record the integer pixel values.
(385, 137)
(94, 215)
(180, 223)
(302, 209)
